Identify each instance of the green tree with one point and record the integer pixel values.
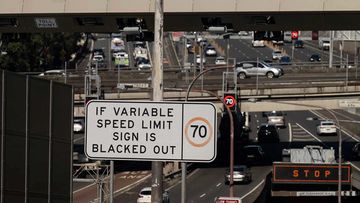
(37, 51)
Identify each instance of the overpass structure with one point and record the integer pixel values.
(185, 15)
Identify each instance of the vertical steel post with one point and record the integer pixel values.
(111, 181)
(157, 85)
(331, 50)
(65, 72)
(183, 182)
(110, 57)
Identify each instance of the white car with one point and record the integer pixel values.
(210, 51)
(98, 58)
(120, 55)
(198, 59)
(59, 72)
(220, 60)
(276, 55)
(327, 127)
(145, 196)
(258, 43)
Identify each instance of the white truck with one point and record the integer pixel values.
(324, 44)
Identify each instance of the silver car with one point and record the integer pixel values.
(241, 174)
(257, 68)
(277, 118)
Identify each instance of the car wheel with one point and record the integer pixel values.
(242, 75)
(270, 75)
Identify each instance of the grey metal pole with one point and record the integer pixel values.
(185, 61)
(201, 66)
(341, 46)
(157, 85)
(331, 51)
(110, 57)
(65, 72)
(227, 53)
(111, 181)
(183, 182)
(231, 184)
(347, 71)
(194, 53)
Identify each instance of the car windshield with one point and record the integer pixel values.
(276, 113)
(267, 129)
(327, 123)
(251, 150)
(145, 192)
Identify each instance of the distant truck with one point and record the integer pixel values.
(324, 44)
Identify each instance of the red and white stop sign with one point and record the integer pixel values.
(294, 34)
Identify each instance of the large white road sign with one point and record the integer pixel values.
(163, 131)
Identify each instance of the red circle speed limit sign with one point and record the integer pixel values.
(229, 101)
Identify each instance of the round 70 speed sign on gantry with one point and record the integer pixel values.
(229, 101)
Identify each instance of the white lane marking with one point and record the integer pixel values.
(78, 190)
(255, 188)
(309, 133)
(290, 132)
(357, 168)
(188, 176)
(348, 134)
(201, 196)
(218, 184)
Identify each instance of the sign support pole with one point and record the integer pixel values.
(157, 85)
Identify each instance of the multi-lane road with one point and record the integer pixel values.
(207, 180)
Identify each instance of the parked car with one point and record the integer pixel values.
(315, 57)
(268, 133)
(355, 151)
(242, 174)
(220, 60)
(299, 44)
(210, 51)
(254, 154)
(252, 68)
(276, 55)
(326, 127)
(285, 60)
(145, 196)
(277, 118)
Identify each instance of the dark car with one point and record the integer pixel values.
(268, 133)
(299, 44)
(356, 151)
(315, 57)
(285, 60)
(253, 154)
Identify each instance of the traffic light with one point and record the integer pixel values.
(294, 35)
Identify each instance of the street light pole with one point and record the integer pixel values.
(157, 85)
(231, 184)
